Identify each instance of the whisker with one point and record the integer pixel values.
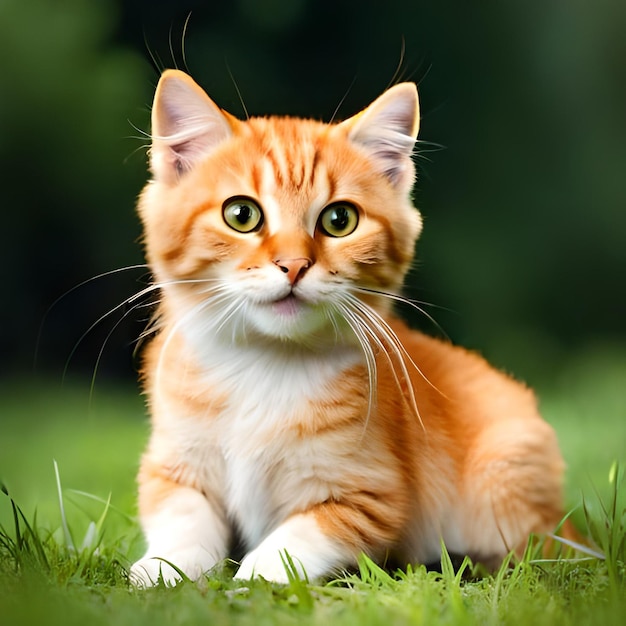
(392, 341)
(333, 322)
(172, 332)
(227, 314)
(396, 78)
(428, 146)
(383, 348)
(101, 319)
(214, 324)
(143, 147)
(153, 326)
(142, 134)
(104, 344)
(345, 95)
(157, 63)
(171, 46)
(232, 78)
(386, 339)
(414, 304)
(391, 336)
(132, 302)
(370, 358)
(425, 74)
(183, 41)
(242, 320)
(72, 290)
(110, 312)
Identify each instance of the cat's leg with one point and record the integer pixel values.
(181, 527)
(511, 488)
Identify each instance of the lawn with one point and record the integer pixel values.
(71, 568)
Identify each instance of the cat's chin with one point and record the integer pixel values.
(289, 318)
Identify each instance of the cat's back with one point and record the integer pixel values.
(458, 387)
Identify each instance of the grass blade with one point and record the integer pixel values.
(69, 542)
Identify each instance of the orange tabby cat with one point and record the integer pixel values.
(290, 409)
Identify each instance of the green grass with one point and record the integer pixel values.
(64, 559)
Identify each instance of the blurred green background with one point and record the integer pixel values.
(522, 183)
(522, 173)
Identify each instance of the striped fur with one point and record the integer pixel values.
(290, 409)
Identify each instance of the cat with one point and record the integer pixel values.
(292, 411)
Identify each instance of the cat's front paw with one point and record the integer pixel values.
(147, 572)
(267, 564)
(297, 546)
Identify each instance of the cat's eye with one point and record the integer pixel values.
(242, 214)
(338, 219)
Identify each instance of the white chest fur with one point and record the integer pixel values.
(269, 470)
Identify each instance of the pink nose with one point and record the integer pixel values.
(294, 268)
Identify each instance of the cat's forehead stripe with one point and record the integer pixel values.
(267, 197)
(286, 175)
(293, 151)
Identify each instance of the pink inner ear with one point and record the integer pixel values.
(186, 125)
(387, 129)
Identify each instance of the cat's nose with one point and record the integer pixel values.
(294, 268)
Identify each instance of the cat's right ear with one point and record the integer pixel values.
(186, 126)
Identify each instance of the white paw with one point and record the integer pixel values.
(185, 531)
(297, 544)
(268, 564)
(147, 572)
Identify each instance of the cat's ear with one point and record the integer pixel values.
(387, 129)
(186, 125)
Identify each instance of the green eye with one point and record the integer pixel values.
(339, 219)
(242, 214)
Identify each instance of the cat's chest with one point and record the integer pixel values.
(269, 468)
(266, 390)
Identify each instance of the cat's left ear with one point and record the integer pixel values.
(387, 129)
(186, 125)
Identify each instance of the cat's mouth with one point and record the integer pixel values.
(289, 317)
(289, 305)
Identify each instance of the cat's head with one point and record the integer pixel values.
(276, 226)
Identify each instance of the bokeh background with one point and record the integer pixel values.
(522, 165)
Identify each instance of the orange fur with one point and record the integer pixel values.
(290, 407)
